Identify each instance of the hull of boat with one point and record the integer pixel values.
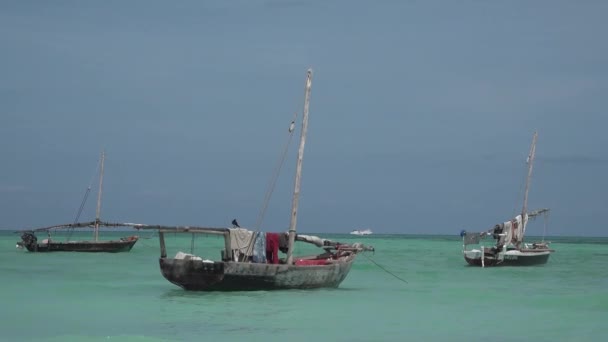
(511, 258)
(196, 275)
(85, 246)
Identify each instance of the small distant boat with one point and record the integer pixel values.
(361, 232)
(509, 249)
(29, 240)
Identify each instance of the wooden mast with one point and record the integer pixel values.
(524, 209)
(530, 165)
(296, 190)
(98, 211)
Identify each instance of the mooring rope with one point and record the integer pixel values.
(384, 269)
(145, 244)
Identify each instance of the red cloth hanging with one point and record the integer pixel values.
(272, 248)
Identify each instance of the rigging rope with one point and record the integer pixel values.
(275, 176)
(545, 218)
(384, 269)
(71, 230)
(84, 200)
(520, 193)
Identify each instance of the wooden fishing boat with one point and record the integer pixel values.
(510, 248)
(241, 268)
(240, 272)
(29, 240)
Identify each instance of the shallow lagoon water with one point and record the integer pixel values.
(123, 297)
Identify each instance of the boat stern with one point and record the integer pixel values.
(189, 274)
(28, 241)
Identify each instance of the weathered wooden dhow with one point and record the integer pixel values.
(510, 248)
(29, 240)
(236, 272)
(240, 270)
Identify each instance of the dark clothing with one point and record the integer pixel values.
(283, 242)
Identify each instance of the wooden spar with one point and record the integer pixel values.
(142, 226)
(163, 249)
(537, 212)
(227, 246)
(225, 232)
(98, 211)
(296, 191)
(181, 229)
(524, 209)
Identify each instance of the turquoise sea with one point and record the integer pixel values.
(123, 297)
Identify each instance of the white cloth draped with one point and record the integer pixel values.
(241, 242)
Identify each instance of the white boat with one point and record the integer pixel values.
(510, 248)
(361, 232)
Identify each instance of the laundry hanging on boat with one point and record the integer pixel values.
(272, 248)
(518, 229)
(284, 242)
(259, 248)
(507, 234)
(241, 242)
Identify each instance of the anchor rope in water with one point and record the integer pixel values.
(384, 269)
(145, 244)
(154, 233)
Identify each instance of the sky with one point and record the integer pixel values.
(421, 114)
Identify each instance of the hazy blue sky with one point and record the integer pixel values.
(421, 116)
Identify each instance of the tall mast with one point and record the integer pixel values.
(524, 210)
(98, 212)
(296, 190)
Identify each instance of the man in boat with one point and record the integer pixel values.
(235, 224)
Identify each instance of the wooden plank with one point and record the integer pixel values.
(183, 229)
(163, 249)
